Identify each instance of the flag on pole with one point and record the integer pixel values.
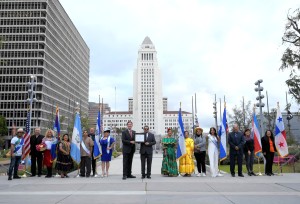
(97, 147)
(27, 136)
(256, 135)
(222, 134)
(280, 135)
(56, 128)
(76, 139)
(181, 150)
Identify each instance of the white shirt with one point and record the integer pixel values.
(16, 141)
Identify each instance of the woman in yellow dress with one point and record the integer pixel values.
(186, 162)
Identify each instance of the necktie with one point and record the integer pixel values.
(130, 132)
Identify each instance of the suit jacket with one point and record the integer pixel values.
(126, 138)
(147, 149)
(234, 141)
(265, 144)
(35, 141)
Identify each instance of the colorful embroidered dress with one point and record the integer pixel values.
(169, 164)
(186, 163)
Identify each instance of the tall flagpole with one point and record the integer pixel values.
(269, 119)
(193, 118)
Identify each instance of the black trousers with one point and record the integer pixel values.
(239, 158)
(36, 158)
(85, 166)
(145, 157)
(269, 162)
(127, 163)
(14, 165)
(200, 158)
(93, 163)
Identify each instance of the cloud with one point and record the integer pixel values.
(204, 47)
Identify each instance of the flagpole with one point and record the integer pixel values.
(77, 109)
(278, 155)
(259, 156)
(193, 118)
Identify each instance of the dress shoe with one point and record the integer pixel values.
(17, 177)
(233, 175)
(131, 176)
(48, 176)
(148, 177)
(272, 174)
(241, 175)
(124, 178)
(142, 177)
(9, 178)
(39, 175)
(253, 174)
(268, 174)
(32, 175)
(249, 174)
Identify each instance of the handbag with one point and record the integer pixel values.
(8, 154)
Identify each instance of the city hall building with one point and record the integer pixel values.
(39, 39)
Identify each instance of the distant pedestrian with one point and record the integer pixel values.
(16, 149)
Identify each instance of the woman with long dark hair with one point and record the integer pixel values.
(213, 153)
(268, 149)
(249, 152)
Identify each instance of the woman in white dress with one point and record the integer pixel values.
(213, 152)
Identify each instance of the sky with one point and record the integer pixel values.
(204, 47)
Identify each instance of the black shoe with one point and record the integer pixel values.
(9, 178)
(148, 177)
(142, 177)
(253, 174)
(48, 176)
(81, 175)
(241, 175)
(249, 174)
(39, 175)
(131, 176)
(233, 175)
(124, 177)
(32, 175)
(17, 177)
(268, 174)
(272, 174)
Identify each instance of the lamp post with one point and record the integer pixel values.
(31, 94)
(260, 96)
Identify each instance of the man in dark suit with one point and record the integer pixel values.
(236, 141)
(128, 141)
(92, 136)
(146, 152)
(36, 156)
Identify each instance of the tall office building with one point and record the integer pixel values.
(40, 39)
(147, 89)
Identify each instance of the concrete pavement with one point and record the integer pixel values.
(159, 189)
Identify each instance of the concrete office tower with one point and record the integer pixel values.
(40, 39)
(147, 90)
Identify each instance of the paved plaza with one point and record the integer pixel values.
(159, 189)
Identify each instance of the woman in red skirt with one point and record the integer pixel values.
(48, 140)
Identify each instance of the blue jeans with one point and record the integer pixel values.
(14, 165)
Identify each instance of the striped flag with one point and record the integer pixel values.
(27, 136)
(97, 147)
(181, 150)
(76, 139)
(280, 135)
(256, 135)
(56, 128)
(222, 133)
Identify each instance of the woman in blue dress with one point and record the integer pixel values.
(107, 142)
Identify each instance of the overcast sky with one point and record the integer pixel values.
(204, 46)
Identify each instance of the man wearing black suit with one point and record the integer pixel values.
(146, 152)
(36, 156)
(128, 141)
(236, 141)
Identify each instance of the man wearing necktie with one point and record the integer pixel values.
(236, 141)
(128, 140)
(146, 152)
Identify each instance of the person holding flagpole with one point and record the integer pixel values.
(268, 150)
(107, 143)
(86, 148)
(48, 140)
(16, 150)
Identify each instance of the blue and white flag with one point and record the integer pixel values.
(181, 150)
(222, 133)
(76, 139)
(97, 147)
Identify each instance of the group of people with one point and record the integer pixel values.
(241, 144)
(42, 149)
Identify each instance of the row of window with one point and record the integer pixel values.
(21, 62)
(22, 14)
(23, 22)
(22, 54)
(147, 64)
(20, 37)
(22, 5)
(36, 29)
(21, 70)
(22, 46)
(147, 56)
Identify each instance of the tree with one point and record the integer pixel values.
(3, 126)
(270, 119)
(291, 56)
(238, 115)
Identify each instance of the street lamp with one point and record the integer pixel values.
(31, 94)
(260, 96)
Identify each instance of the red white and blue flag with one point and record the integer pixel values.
(256, 135)
(27, 136)
(280, 135)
